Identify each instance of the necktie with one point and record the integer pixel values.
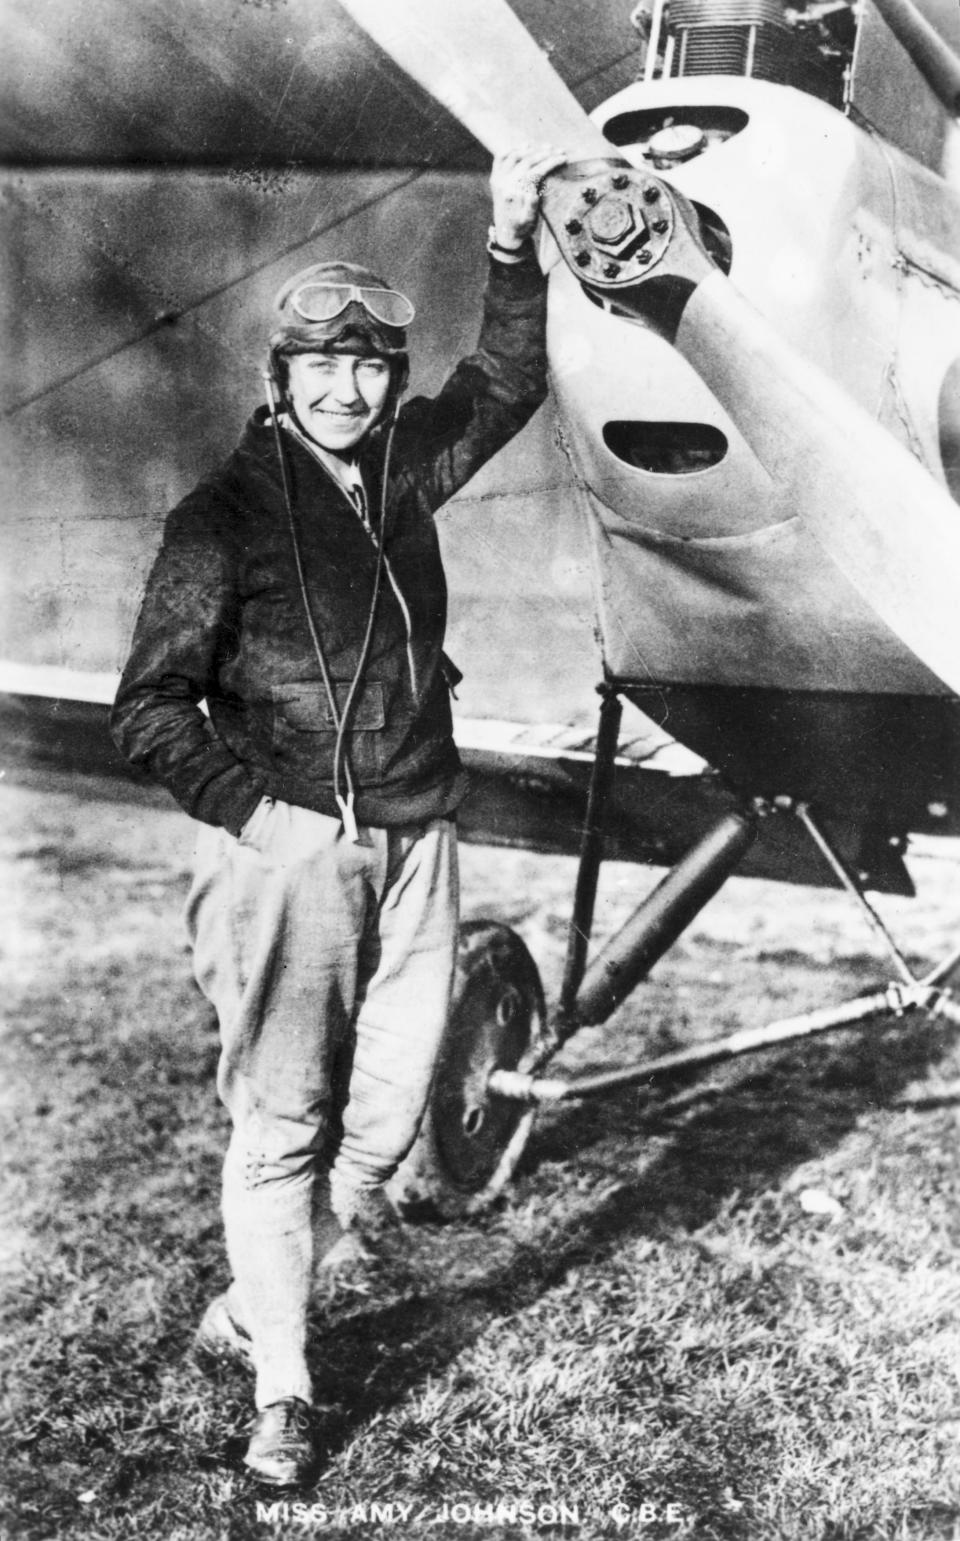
(360, 498)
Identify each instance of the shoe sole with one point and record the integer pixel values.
(297, 1477)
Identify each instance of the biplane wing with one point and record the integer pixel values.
(530, 783)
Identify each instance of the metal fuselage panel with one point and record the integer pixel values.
(707, 577)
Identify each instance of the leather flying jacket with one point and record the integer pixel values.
(223, 620)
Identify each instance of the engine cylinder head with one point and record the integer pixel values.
(733, 37)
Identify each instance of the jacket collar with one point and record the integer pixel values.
(257, 445)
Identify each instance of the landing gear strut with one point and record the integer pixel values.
(499, 1038)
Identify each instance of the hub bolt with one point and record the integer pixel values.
(573, 227)
(644, 257)
(660, 226)
(620, 181)
(610, 269)
(590, 195)
(651, 193)
(582, 259)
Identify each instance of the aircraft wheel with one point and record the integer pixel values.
(470, 1142)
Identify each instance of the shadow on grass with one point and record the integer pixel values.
(785, 1109)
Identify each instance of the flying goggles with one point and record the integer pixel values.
(315, 301)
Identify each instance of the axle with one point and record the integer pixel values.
(895, 999)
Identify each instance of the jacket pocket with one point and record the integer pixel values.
(304, 733)
(304, 705)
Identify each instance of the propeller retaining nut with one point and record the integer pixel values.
(612, 221)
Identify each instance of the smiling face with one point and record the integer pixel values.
(337, 397)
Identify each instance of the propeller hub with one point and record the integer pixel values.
(613, 223)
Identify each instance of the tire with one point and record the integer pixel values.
(470, 1143)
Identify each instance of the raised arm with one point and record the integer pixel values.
(496, 389)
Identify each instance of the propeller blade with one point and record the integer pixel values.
(892, 530)
(477, 59)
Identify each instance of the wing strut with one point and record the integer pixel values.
(656, 924)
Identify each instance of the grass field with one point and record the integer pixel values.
(730, 1310)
